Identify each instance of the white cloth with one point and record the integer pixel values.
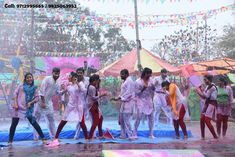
(91, 96)
(86, 81)
(74, 109)
(159, 99)
(82, 96)
(124, 119)
(127, 96)
(150, 122)
(19, 96)
(158, 82)
(144, 98)
(211, 110)
(48, 89)
(211, 93)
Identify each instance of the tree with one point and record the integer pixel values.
(61, 30)
(191, 44)
(116, 44)
(225, 44)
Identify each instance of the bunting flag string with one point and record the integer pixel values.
(141, 1)
(108, 20)
(67, 54)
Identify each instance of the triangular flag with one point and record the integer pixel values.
(108, 135)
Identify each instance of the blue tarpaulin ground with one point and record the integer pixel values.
(24, 132)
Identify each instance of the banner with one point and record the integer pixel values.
(66, 64)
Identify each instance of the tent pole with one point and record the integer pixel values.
(31, 53)
(137, 35)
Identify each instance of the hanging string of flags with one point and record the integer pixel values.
(67, 19)
(74, 42)
(68, 54)
(140, 1)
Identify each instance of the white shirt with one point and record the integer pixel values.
(211, 93)
(158, 82)
(127, 96)
(48, 89)
(127, 90)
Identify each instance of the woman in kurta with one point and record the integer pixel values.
(144, 101)
(74, 108)
(224, 100)
(92, 97)
(25, 97)
(179, 106)
(209, 110)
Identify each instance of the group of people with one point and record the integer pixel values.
(217, 105)
(145, 97)
(80, 93)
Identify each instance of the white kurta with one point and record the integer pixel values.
(82, 97)
(158, 82)
(86, 81)
(48, 89)
(84, 84)
(144, 99)
(127, 96)
(91, 96)
(82, 93)
(211, 110)
(159, 97)
(74, 109)
(19, 95)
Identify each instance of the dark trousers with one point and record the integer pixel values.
(15, 122)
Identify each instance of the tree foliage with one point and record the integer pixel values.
(226, 44)
(52, 34)
(185, 45)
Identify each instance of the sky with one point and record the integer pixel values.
(149, 36)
